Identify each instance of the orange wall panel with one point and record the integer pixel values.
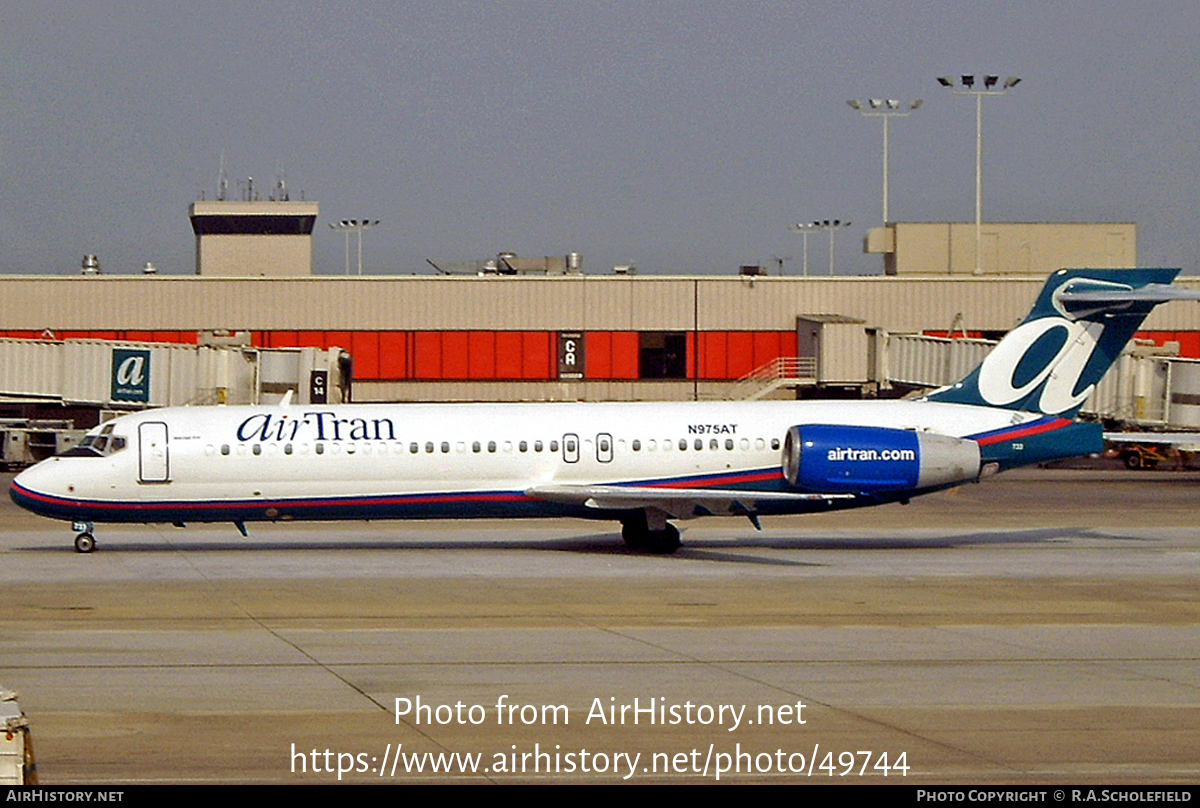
(364, 348)
(481, 354)
(427, 355)
(740, 358)
(539, 355)
(393, 355)
(766, 347)
(509, 353)
(455, 357)
(339, 339)
(625, 361)
(597, 355)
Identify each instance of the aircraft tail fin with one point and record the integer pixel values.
(1052, 361)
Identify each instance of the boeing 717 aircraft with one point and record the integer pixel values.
(642, 464)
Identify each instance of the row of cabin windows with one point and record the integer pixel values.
(570, 445)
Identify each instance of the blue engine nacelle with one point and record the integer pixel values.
(839, 459)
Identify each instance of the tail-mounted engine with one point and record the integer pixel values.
(875, 460)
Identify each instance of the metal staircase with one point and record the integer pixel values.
(784, 371)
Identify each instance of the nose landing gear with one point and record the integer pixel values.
(85, 542)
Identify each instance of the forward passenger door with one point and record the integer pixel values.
(154, 462)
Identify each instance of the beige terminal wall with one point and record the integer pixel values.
(1018, 248)
(899, 304)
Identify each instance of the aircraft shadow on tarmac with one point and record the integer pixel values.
(699, 548)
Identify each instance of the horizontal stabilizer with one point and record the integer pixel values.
(1150, 293)
(1161, 438)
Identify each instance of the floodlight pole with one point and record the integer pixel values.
(346, 239)
(831, 225)
(357, 225)
(805, 230)
(967, 83)
(886, 109)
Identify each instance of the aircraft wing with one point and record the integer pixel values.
(680, 503)
(1161, 438)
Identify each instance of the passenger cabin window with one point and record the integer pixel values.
(604, 448)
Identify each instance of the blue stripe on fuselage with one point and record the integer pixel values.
(440, 505)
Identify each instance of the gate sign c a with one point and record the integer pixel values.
(130, 375)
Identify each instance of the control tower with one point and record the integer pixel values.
(253, 239)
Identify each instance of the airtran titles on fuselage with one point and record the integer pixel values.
(317, 425)
(328, 425)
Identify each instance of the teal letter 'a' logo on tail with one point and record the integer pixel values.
(1053, 360)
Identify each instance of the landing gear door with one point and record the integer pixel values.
(154, 464)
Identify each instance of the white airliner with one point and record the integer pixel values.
(638, 463)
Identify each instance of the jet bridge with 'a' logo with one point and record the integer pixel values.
(133, 375)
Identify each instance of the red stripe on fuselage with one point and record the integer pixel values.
(1022, 432)
(334, 500)
(708, 482)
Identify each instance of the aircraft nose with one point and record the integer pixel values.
(34, 488)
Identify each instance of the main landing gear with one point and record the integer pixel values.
(638, 535)
(85, 542)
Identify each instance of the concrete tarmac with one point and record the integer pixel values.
(1040, 628)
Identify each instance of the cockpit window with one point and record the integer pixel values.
(98, 444)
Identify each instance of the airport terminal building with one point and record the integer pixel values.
(556, 333)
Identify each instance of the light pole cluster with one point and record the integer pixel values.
(979, 86)
(886, 109)
(358, 226)
(805, 229)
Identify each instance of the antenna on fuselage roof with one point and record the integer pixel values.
(286, 401)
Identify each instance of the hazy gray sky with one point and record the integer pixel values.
(678, 136)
